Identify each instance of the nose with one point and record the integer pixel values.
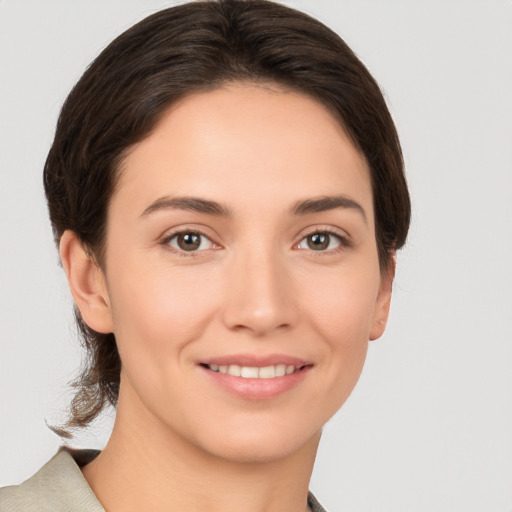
(260, 296)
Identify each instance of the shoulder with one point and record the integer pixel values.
(58, 486)
(313, 504)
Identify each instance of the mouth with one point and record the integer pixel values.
(256, 372)
(253, 378)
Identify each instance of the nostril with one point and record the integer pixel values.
(260, 328)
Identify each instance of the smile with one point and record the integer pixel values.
(253, 378)
(255, 372)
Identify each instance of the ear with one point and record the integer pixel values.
(86, 282)
(383, 303)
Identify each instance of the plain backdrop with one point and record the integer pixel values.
(429, 426)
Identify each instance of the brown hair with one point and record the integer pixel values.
(194, 47)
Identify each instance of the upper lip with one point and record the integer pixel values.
(255, 360)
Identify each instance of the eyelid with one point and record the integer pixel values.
(323, 228)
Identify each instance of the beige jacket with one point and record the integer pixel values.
(59, 486)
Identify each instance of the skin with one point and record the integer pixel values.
(255, 286)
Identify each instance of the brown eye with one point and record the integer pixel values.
(320, 241)
(190, 241)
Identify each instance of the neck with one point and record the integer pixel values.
(146, 467)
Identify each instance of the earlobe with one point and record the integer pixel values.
(86, 282)
(383, 302)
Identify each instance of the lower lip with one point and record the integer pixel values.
(257, 389)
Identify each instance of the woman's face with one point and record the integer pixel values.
(241, 240)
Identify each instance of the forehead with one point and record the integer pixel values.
(245, 142)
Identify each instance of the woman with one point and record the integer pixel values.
(226, 189)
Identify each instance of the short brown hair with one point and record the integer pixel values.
(200, 46)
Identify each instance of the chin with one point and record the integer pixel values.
(260, 446)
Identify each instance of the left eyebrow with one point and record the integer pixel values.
(325, 203)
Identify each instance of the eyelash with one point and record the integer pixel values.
(344, 243)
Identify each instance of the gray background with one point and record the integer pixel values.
(429, 427)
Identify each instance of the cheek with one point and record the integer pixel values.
(157, 310)
(342, 314)
(342, 305)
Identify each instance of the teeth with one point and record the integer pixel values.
(254, 372)
(280, 370)
(268, 372)
(235, 370)
(249, 372)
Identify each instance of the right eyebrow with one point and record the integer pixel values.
(195, 204)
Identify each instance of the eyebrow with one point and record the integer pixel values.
(325, 203)
(194, 204)
(305, 207)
